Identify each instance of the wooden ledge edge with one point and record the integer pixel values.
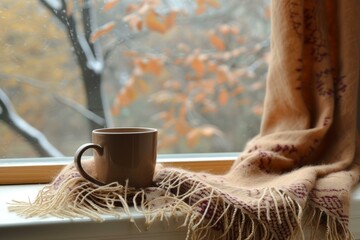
(45, 173)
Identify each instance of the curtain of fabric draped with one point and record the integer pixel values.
(300, 169)
(308, 144)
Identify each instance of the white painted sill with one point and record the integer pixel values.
(15, 227)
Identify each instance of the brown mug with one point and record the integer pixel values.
(121, 154)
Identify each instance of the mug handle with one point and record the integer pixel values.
(77, 160)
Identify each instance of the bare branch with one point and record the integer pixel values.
(80, 109)
(87, 22)
(82, 48)
(32, 135)
(89, 115)
(88, 56)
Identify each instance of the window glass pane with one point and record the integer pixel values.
(193, 69)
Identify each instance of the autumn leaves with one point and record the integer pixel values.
(187, 83)
(144, 15)
(139, 16)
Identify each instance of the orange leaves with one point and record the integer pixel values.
(224, 75)
(181, 126)
(154, 23)
(145, 65)
(154, 66)
(200, 97)
(160, 24)
(128, 94)
(223, 97)
(141, 85)
(203, 5)
(170, 19)
(165, 97)
(138, 15)
(229, 33)
(197, 62)
(191, 81)
(109, 4)
(148, 65)
(135, 22)
(101, 31)
(198, 66)
(131, 8)
(193, 137)
(216, 41)
(213, 3)
(145, 15)
(202, 67)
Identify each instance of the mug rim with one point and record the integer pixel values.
(124, 130)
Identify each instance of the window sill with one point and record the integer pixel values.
(43, 170)
(14, 227)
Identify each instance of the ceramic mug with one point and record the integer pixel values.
(121, 154)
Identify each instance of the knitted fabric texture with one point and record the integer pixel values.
(298, 171)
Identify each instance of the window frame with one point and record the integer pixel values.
(43, 170)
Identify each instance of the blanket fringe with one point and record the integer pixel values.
(322, 224)
(213, 215)
(207, 212)
(72, 196)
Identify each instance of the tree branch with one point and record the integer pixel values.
(87, 22)
(89, 115)
(70, 25)
(32, 135)
(83, 49)
(91, 66)
(80, 109)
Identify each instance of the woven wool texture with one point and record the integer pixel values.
(296, 174)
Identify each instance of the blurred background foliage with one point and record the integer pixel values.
(194, 69)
